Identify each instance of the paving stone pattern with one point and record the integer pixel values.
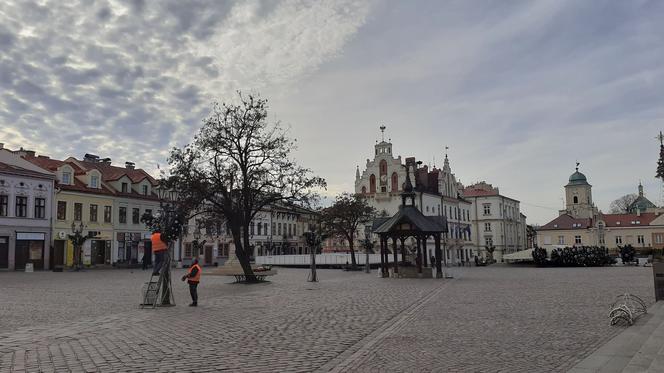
(486, 319)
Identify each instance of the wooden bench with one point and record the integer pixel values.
(238, 273)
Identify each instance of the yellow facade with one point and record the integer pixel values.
(63, 227)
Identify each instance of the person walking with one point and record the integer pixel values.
(160, 250)
(193, 277)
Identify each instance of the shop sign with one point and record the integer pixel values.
(30, 236)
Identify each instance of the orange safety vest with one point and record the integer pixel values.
(197, 277)
(157, 244)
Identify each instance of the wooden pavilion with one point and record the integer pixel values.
(406, 223)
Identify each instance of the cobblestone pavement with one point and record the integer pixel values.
(486, 319)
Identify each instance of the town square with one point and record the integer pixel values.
(331, 186)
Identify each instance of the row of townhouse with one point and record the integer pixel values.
(275, 230)
(41, 199)
(477, 216)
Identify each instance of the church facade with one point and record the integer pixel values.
(581, 223)
(437, 194)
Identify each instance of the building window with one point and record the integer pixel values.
(93, 213)
(66, 178)
(488, 241)
(21, 209)
(260, 229)
(125, 188)
(78, 211)
(265, 228)
(487, 227)
(123, 215)
(107, 214)
(145, 190)
(395, 182)
(187, 249)
(487, 208)
(659, 238)
(561, 240)
(279, 229)
(4, 205)
(372, 184)
(148, 212)
(62, 210)
(135, 216)
(618, 240)
(40, 208)
(640, 239)
(274, 229)
(251, 228)
(577, 239)
(94, 181)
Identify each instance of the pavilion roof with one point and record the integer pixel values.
(411, 215)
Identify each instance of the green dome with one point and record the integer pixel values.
(577, 178)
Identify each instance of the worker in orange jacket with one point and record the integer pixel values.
(193, 277)
(160, 250)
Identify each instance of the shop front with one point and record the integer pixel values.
(29, 249)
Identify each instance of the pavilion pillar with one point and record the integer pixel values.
(419, 256)
(425, 252)
(386, 261)
(403, 250)
(439, 270)
(396, 258)
(382, 257)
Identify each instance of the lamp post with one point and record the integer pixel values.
(169, 224)
(368, 245)
(77, 239)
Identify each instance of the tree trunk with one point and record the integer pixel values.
(243, 257)
(353, 263)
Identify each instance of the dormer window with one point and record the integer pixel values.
(617, 223)
(94, 181)
(66, 178)
(125, 187)
(145, 190)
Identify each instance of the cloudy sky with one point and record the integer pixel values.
(519, 90)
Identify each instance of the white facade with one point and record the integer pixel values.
(26, 205)
(497, 220)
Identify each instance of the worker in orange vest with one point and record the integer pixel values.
(193, 277)
(160, 250)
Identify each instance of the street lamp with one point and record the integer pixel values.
(368, 245)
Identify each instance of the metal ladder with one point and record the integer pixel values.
(152, 296)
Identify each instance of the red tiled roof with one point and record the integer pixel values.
(4, 167)
(108, 172)
(625, 220)
(567, 222)
(79, 186)
(472, 192)
(112, 173)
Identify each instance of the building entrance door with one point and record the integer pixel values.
(57, 257)
(208, 254)
(4, 252)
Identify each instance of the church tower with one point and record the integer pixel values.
(578, 196)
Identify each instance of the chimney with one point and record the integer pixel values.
(90, 158)
(43, 157)
(129, 165)
(106, 161)
(29, 154)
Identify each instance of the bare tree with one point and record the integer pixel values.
(622, 204)
(237, 165)
(345, 216)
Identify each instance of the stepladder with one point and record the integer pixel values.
(158, 291)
